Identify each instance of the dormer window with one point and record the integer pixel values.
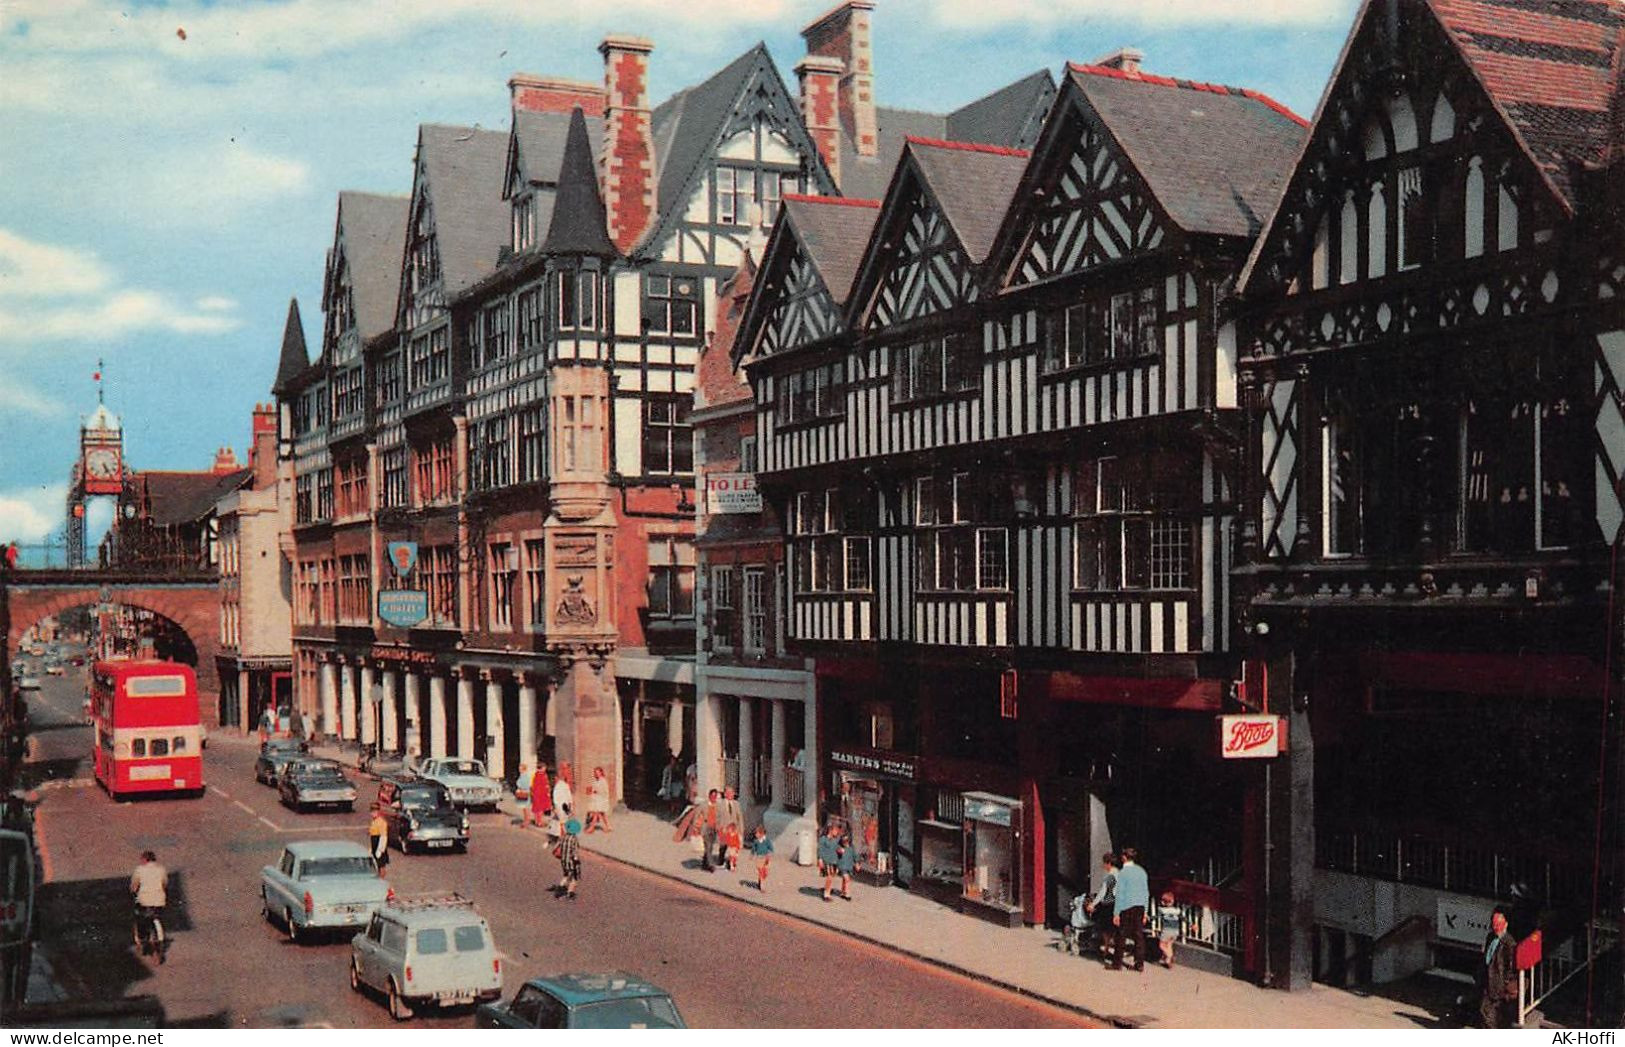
(524, 222)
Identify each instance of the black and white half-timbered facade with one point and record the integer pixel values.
(1430, 367)
(999, 416)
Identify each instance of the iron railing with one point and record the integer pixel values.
(1554, 969)
(1454, 865)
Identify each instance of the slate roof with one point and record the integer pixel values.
(294, 357)
(374, 230)
(973, 184)
(536, 153)
(1012, 116)
(835, 232)
(686, 125)
(1215, 157)
(175, 498)
(466, 169)
(577, 224)
(1552, 68)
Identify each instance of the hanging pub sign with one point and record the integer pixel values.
(1251, 736)
(403, 607)
(732, 493)
(403, 556)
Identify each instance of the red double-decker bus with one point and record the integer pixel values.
(148, 738)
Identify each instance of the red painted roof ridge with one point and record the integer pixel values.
(969, 147)
(1188, 85)
(839, 201)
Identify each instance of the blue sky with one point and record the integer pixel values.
(162, 196)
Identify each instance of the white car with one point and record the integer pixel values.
(465, 780)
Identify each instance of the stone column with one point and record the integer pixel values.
(810, 750)
(527, 723)
(391, 739)
(465, 717)
(346, 702)
(707, 739)
(330, 698)
(747, 750)
(437, 715)
(414, 728)
(244, 702)
(776, 788)
(674, 727)
(369, 712)
(589, 731)
(495, 734)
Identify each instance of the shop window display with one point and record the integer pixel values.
(992, 862)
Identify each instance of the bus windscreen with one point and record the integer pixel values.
(156, 687)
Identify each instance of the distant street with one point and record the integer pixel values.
(726, 964)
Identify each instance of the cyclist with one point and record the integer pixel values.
(149, 885)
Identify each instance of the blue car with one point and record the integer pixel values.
(583, 1001)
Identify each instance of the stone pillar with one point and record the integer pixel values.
(465, 717)
(244, 704)
(809, 747)
(674, 728)
(495, 734)
(707, 740)
(747, 750)
(414, 727)
(776, 789)
(391, 738)
(330, 698)
(346, 702)
(369, 710)
(589, 732)
(527, 723)
(437, 715)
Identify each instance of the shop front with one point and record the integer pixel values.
(875, 793)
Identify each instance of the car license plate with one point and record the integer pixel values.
(352, 908)
(438, 843)
(454, 997)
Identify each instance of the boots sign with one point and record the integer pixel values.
(1251, 737)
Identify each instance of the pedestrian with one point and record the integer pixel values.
(708, 830)
(1169, 917)
(762, 849)
(1102, 905)
(378, 839)
(846, 863)
(1498, 978)
(691, 785)
(568, 852)
(671, 783)
(728, 810)
(828, 845)
(731, 843)
(598, 801)
(267, 724)
(564, 798)
(1128, 913)
(541, 799)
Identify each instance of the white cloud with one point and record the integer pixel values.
(984, 14)
(204, 184)
(118, 315)
(30, 513)
(24, 399)
(32, 269)
(215, 303)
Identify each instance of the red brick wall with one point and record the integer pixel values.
(628, 162)
(555, 97)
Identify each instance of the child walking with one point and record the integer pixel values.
(568, 852)
(1168, 919)
(762, 848)
(731, 844)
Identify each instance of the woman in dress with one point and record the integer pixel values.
(564, 796)
(541, 798)
(598, 801)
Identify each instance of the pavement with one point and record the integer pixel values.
(1025, 960)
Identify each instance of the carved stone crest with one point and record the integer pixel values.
(574, 607)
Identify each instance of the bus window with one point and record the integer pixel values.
(160, 747)
(156, 687)
(178, 746)
(138, 747)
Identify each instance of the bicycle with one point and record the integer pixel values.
(150, 939)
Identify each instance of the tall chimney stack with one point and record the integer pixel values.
(843, 34)
(626, 168)
(821, 107)
(262, 451)
(554, 94)
(1125, 60)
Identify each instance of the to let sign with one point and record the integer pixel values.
(732, 493)
(1251, 737)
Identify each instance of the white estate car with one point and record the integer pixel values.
(430, 949)
(465, 780)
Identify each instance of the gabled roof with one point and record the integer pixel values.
(1215, 157)
(834, 231)
(373, 228)
(1012, 116)
(175, 498)
(294, 358)
(578, 225)
(1552, 69)
(466, 168)
(973, 184)
(536, 144)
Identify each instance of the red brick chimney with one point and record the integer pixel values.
(225, 461)
(555, 94)
(1125, 59)
(262, 451)
(821, 109)
(626, 170)
(843, 34)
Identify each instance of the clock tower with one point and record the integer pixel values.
(101, 453)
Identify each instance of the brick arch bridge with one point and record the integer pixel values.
(29, 597)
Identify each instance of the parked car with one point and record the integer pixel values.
(316, 783)
(321, 884)
(275, 755)
(420, 814)
(430, 949)
(466, 780)
(583, 1001)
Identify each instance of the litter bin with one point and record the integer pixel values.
(805, 850)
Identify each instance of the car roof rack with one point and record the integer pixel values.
(429, 900)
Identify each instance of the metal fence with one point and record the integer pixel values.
(1453, 865)
(795, 789)
(1558, 966)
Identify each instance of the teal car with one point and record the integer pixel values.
(583, 1001)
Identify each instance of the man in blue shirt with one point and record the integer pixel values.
(1128, 919)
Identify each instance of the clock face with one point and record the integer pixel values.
(102, 464)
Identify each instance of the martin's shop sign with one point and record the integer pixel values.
(874, 761)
